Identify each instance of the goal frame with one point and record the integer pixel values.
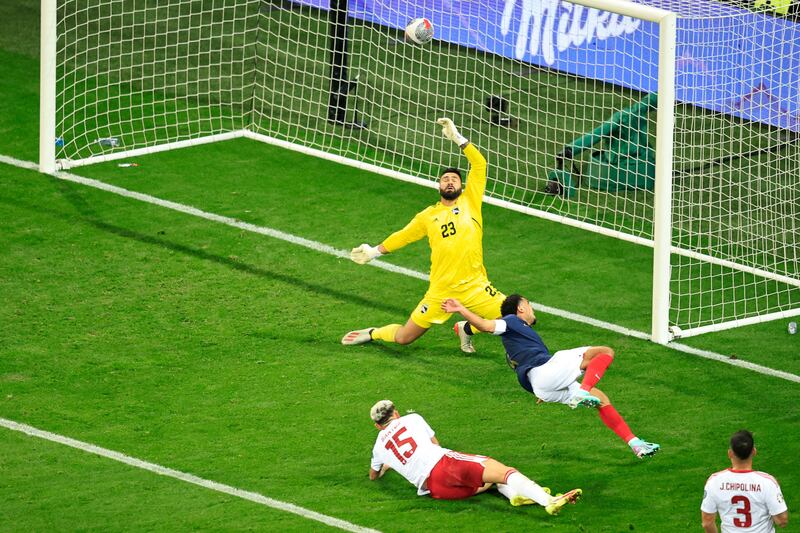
(663, 190)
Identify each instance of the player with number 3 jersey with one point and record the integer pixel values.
(745, 499)
(408, 445)
(454, 228)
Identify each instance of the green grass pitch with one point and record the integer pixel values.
(215, 351)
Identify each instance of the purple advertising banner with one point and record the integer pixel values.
(738, 62)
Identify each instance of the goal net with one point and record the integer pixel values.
(148, 74)
(564, 99)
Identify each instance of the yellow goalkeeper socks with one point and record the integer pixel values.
(386, 333)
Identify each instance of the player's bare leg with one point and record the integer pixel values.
(593, 352)
(600, 395)
(614, 421)
(484, 488)
(408, 333)
(496, 472)
(396, 333)
(405, 334)
(595, 362)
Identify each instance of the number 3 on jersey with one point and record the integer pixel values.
(744, 510)
(396, 446)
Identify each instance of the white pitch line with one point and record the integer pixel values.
(183, 476)
(344, 254)
(228, 221)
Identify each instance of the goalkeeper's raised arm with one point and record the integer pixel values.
(476, 179)
(454, 228)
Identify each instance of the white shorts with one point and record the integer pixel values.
(554, 381)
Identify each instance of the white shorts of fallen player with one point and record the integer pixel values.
(554, 381)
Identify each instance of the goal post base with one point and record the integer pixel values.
(65, 164)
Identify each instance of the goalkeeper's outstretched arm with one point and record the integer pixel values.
(414, 231)
(476, 179)
(365, 253)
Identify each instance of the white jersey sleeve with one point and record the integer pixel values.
(709, 504)
(745, 500)
(406, 446)
(773, 496)
(500, 327)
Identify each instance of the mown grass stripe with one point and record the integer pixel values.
(183, 476)
(344, 254)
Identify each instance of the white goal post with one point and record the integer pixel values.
(670, 125)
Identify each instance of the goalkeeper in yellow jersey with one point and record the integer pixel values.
(454, 228)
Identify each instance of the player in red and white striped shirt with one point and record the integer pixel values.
(746, 500)
(408, 445)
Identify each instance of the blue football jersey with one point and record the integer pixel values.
(525, 349)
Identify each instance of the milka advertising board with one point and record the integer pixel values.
(740, 63)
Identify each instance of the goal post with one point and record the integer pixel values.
(662, 198)
(673, 127)
(47, 87)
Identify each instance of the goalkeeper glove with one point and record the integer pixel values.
(449, 130)
(364, 254)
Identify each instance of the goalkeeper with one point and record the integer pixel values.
(454, 228)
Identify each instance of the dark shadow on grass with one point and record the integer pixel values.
(421, 348)
(87, 216)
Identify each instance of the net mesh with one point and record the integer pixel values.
(147, 72)
(559, 97)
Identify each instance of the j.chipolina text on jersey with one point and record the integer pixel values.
(748, 487)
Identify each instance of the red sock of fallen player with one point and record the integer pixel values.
(595, 370)
(615, 422)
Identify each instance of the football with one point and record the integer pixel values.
(419, 31)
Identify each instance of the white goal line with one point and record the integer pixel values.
(183, 476)
(344, 254)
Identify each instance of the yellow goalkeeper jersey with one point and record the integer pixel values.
(455, 233)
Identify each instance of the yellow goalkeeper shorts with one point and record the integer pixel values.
(480, 298)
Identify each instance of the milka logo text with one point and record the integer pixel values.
(575, 24)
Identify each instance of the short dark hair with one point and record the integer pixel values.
(454, 170)
(510, 304)
(742, 444)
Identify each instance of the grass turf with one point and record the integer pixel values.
(215, 351)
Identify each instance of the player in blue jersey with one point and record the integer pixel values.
(552, 378)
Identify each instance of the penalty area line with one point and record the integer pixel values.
(183, 476)
(344, 254)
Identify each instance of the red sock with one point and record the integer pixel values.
(595, 370)
(615, 422)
